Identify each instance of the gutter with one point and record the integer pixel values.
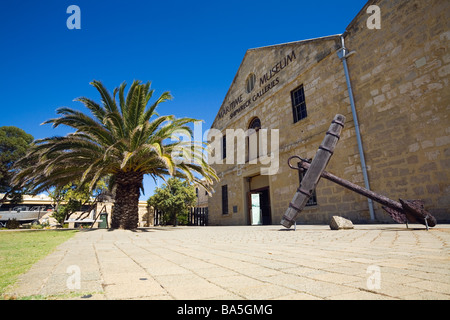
(343, 54)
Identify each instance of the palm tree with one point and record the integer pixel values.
(121, 140)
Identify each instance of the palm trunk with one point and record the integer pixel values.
(126, 206)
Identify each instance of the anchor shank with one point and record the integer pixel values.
(311, 177)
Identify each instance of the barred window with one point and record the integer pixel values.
(298, 104)
(224, 147)
(225, 199)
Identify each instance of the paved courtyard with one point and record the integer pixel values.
(247, 262)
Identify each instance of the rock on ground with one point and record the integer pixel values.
(337, 223)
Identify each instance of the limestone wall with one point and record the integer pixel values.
(399, 75)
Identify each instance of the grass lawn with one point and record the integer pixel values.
(19, 250)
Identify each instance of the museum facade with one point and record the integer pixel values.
(387, 74)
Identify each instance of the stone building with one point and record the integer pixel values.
(201, 197)
(283, 98)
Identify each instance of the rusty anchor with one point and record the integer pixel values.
(402, 211)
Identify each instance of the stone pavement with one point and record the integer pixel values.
(246, 262)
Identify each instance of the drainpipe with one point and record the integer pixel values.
(343, 54)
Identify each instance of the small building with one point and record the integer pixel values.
(201, 197)
(283, 98)
(46, 205)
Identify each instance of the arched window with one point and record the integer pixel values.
(252, 139)
(255, 124)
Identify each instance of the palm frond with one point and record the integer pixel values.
(107, 100)
(95, 108)
(115, 138)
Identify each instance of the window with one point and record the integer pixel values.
(252, 139)
(250, 82)
(224, 147)
(225, 199)
(255, 124)
(298, 104)
(313, 199)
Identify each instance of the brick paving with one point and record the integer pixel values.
(246, 262)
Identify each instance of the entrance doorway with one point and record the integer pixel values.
(259, 207)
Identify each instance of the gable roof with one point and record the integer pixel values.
(261, 50)
(300, 42)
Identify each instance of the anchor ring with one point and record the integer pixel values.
(300, 158)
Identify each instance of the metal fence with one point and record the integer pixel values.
(197, 216)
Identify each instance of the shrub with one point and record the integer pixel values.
(174, 199)
(12, 224)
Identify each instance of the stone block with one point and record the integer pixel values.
(337, 223)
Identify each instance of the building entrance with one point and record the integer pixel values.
(259, 207)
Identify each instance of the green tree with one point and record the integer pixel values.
(124, 140)
(71, 198)
(14, 143)
(174, 199)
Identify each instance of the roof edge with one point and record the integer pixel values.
(357, 16)
(325, 38)
(297, 42)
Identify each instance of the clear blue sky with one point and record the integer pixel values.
(190, 48)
